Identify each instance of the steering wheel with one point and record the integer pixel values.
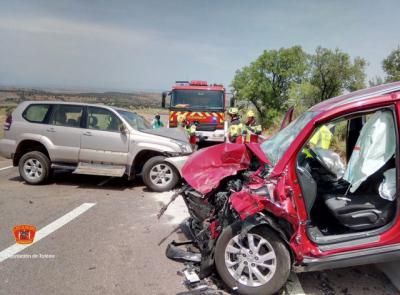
(321, 161)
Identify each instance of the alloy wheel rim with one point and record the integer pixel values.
(161, 174)
(251, 260)
(33, 169)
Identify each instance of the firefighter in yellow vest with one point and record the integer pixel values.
(185, 124)
(251, 123)
(234, 115)
(235, 126)
(321, 139)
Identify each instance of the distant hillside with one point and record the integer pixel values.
(11, 97)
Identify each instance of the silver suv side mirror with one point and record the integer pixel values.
(123, 129)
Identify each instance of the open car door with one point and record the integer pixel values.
(288, 118)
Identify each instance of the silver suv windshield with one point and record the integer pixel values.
(276, 146)
(137, 122)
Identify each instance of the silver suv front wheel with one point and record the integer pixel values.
(158, 175)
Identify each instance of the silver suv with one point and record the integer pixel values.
(92, 139)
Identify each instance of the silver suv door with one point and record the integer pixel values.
(64, 131)
(101, 140)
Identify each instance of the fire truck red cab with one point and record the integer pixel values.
(201, 103)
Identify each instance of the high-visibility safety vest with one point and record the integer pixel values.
(235, 130)
(254, 128)
(190, 129)
(322, 138)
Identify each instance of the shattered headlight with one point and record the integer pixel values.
(185, 147)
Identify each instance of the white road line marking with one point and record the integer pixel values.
(4, 168)
(293, 285)
(45, 231)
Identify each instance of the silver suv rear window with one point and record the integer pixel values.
(36, 113)
(67, 115)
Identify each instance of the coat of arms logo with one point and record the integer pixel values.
(24, 233)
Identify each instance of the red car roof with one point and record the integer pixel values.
(357, 96)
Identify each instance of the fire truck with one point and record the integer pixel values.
(201, 103)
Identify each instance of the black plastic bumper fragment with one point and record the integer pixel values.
(175, 253)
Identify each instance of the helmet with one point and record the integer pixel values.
(250, 113)
(180, 118)
(233, 111)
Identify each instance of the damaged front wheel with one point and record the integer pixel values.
(255, 263)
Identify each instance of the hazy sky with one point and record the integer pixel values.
(123, 45)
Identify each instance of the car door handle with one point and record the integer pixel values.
(50, 130)
(88, 133)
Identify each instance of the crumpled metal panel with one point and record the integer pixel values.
(207, 167)
(246, 205)
(256, 150)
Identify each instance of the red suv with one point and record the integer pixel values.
(321, 193)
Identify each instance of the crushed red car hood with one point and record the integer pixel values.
(206, 168)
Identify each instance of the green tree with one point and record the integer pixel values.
(290, 77)
(302, 96)
(391, 66)
(375, 81)
(267, 80)
(333, 71)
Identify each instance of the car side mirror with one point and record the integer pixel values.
(287, 118)
(123, 129)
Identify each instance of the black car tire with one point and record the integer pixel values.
(42, 166)
(151, 167)
(283, 261)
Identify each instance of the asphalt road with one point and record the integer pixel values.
(113, 247)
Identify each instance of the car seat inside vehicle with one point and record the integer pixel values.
(360, 195)
(93, 121)
(113, 124)
(72, 123)
(60, 118)
(359, 212)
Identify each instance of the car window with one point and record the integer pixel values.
(375, 146)
(102, 119)
(67, 115)
(331, 136)
(36, 113)
(136, 121)
(276, 146)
